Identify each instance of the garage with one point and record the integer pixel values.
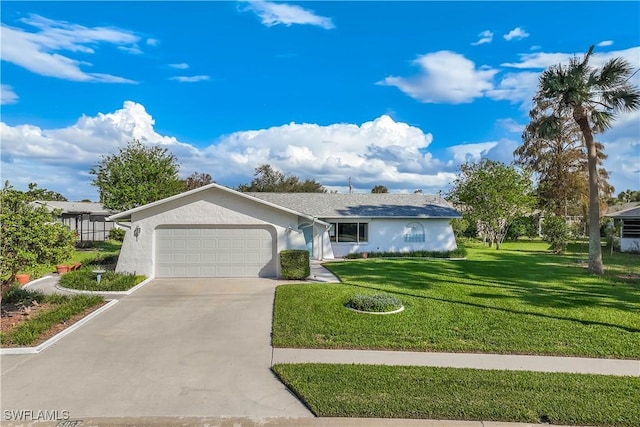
(203, 251)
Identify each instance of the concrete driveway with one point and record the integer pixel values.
(176, 347)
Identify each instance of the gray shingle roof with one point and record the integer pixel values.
(76, 207)
(368, 205)
(633, 212)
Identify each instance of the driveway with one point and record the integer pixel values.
(176, 347)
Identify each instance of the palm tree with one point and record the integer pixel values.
(593, 97)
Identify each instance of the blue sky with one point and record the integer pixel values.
(393, 93)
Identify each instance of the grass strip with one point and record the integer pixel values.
(63, 308)
(463, 394)
(84, 279)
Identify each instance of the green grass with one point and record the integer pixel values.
(63, 308)
(85, 279)
(520, 300)
(464, 394)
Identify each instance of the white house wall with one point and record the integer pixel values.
(628, 244)
(387, 235)
(212, 207)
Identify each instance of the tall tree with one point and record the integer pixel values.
(379, 189)
(268, 180)
(560, 161)
(197, 180)
(36, 193)
(137, 175)
(593, 97)
(30, 235)
(492, 195)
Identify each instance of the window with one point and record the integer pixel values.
(349, 232)
(414, 233)
(631, 228)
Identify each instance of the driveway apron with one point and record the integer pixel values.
(176, 347)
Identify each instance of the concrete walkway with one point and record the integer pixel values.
(461, 360)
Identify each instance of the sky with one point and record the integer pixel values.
(391, 93)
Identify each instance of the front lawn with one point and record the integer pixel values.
(464, 394)
(85, 279)
(520, 299)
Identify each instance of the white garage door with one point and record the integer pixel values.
(214, 252)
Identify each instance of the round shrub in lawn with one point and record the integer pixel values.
(376, 303)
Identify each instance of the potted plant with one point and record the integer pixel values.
(23, 279)
(62, 268)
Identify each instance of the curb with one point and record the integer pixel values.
(60, 335)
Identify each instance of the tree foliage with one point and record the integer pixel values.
(492, 195)
(137, 175)
(36, 193)
(592, 97)
(379, 189)
(30, 234)
(268, 180)
(560, 160)
(556, 232)
(197, 180)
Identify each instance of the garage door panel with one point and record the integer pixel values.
(214, 252)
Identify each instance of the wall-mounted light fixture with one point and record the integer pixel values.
(136, 232)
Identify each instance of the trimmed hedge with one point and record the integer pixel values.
(460, 252)
(377, 303)
(294, 264)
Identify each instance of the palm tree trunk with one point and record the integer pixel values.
(595, 249)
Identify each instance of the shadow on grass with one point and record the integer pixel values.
(519, 279)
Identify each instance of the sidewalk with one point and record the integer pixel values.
(506, 362)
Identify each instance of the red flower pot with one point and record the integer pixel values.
(61, 268)
(23, 278)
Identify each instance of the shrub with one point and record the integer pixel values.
(117, 234)
(377, 303)
(460, 252)
(294, 264)
(85, 279)
(19, 296)
(555, 231)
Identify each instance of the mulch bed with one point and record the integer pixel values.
(12, 316)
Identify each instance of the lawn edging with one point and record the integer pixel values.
(128, 292)
(60, 335)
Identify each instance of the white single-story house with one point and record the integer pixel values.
(214, 231)
(629, 223)
(88, 219)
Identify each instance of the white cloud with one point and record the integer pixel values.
(280, 13)
(446, 77)
(605, 43)
(485, 37)
(181, 66)
(517, 88)
(152, 42)
(517, 34)
(542, 60)
(38, 51)
(510, 125)
(381, 151)
(190, 79)
(7, 95)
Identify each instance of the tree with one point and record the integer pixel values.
(268, 180)
(197, 180)
(561, 164)
(379, 189)
(30, 235)
(593, 97)
(492, 195)
(36, 193)
(555, 231)
(137, 175)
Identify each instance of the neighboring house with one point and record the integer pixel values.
(214, 231)
(628, 221)
(87, 219)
